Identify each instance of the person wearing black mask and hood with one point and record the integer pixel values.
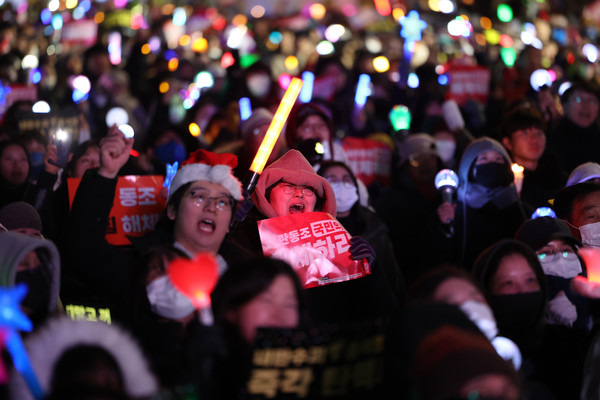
(514, 286)
(487, 209)
(36, 263)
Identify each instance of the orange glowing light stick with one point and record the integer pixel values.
(279, 120)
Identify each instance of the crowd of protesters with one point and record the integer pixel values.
(480, 294)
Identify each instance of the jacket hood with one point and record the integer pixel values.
(469, 156)
(46, 346)
(13, 249)
(488, 261)
(292, 167)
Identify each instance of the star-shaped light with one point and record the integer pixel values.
(412, 26)
(11, 315)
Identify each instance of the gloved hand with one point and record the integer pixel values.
(360, 248)
(561, 311)
(242, 209)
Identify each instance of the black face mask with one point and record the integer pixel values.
(309, 149)
(518, 315)
(491, 175)
(38, 292)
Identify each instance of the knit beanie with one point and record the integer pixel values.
(19, 215)
(208, 166)
(450, 357)
(292, 167)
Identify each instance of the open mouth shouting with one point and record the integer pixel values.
(296, 208)
(207, 225)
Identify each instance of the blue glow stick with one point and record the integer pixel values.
(307, 90)
(22, 364)
(11, 319)
(171, 171)
(245, 108)
(363, 90)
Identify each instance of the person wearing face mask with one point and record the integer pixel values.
(452, 285)
(579, 206)
(260, 87)
(569, 314)
(515, 287)
(361, 221)
(487, 206)
(556, 248)
(409, 201)
(200, 206)
(35, 262)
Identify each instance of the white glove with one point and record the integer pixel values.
(561, 311)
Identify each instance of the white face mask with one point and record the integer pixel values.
(167, 301)
(562, 267)
(446, 149)
(345, 196)
(590, 234)
(259, 85)
(482, 316)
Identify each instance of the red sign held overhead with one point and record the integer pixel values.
(370, 160)
(469, 82)
(136, 208)
(315, 244)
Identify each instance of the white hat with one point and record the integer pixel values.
(208, 166)
(584, 172)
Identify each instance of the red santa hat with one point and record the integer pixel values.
(207, 166)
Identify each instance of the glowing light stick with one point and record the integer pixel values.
(307, 90)
(400, 117)
(245, 108)
(591, 258)
(11, 319)
(279, 120)
(543, 212)
(412, 31)
(196, 279)
(171, 171)
(363, 90)
(446, 182)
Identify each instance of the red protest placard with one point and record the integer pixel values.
(315, 244)
(136, 207)
(370, 160)
(469, 82)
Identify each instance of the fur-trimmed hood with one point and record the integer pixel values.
(46, 346)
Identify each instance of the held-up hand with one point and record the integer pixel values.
(446, 212)
(360, 248)
(114, 152)
(50, 159)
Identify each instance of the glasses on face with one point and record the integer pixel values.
(556, 254)
(589, 100)
(289, 188)
(201, 199)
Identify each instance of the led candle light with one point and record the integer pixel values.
(518, 172)
(591, 258)
(279, 120)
